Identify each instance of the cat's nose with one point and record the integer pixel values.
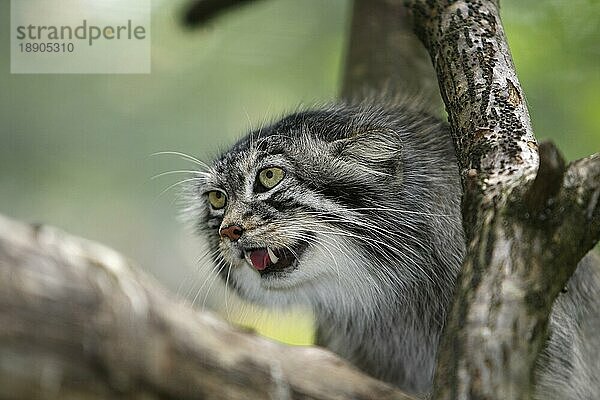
(233, 232)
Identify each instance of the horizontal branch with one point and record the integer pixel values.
(77, 320)
(200, 12)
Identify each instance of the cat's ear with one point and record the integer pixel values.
(377, 150)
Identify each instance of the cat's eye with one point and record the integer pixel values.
(270, 177)
(217, 199)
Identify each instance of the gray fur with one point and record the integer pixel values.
(373, 191)
(569, 367)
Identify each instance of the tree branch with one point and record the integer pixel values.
(520, 229)
(200, 12)
(486, 106)
(78, 321)
(385, 55)
(548, 180)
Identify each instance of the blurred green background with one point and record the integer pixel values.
(75, 149)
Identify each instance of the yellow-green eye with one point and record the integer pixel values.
(270, 177)
(217, 199)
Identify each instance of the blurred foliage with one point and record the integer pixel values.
(556, 48)
(75, 149)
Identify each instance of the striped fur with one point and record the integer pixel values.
(371, 198)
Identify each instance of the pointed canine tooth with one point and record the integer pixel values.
(272, 256)
(247, 257)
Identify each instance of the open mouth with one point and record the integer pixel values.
(267, 260)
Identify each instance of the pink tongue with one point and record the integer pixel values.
(260, 259)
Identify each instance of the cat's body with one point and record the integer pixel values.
(354, 211)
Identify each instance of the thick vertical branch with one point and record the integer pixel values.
(518, 232)
(384, 54)
(485, 104)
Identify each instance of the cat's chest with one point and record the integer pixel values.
(396, 352)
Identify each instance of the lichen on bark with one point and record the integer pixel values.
(497, 325)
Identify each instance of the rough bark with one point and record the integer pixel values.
(78, 321)
(525, 235)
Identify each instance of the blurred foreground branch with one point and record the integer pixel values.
(78, 321)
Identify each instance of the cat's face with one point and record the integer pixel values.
(286, 209)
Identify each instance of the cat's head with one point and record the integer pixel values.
(300, 205)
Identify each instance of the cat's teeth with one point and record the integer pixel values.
(272, 256)
(247, 257)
